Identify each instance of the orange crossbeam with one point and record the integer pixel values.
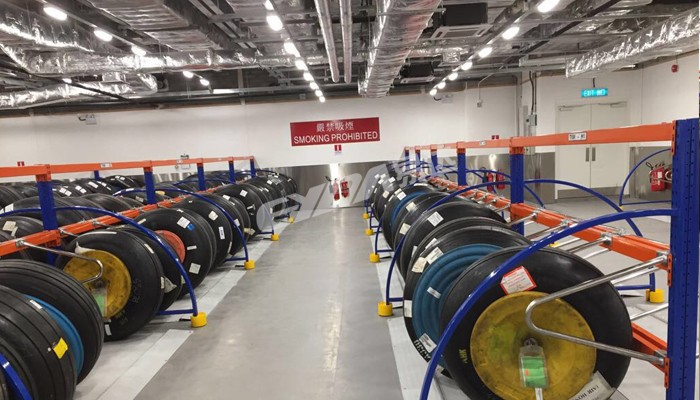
(646, 342)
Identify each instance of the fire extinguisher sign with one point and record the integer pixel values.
(338, 148)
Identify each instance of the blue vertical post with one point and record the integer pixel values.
(231, 172)
(517, 180)
(48, 207)
(433, 159)
(461, 166)
(200, 177)
(407, 158)
(96, 174)
(252, 167)
(683, 294)
(418, 166)
(150, 185)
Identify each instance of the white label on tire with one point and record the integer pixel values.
(596, 389)
(517, 280)
(183, 222)
(140, 199)
(221, 232)
(35, 304)
(385, 194)
(411, 206)
(9, 208)
(213, 216)
(142, 221)
(150, 250)
(236, 222)
(9, 226)
(408, 308)
(434, 255)
(414, 250)
(404, 229)
(191, 248)
(92, 184)
(269, 182)
(431, 242)
(226, 197)
(434, 293)
(108, 330)
(419, 265)
(392, 179)
(427, 342)
(400, 194)
(435, 219)
(243, 193)
(194, 268)
(162, 282)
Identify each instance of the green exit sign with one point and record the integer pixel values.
(595, 92)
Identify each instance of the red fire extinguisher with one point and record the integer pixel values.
(657, 177)
(489, 177)
(344, 188)
(500, 178)
(336, 190)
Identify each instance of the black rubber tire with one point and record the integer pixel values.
(29, 337)
(411, 212)
(133, 203)
(478, 234)
(276, 189)
(146, 277)
(237, 212)
(26, 190)
(17, 255)
(95, 186)
(64, 190)
(251, 197)
(85, 202)
(78, 187)
(199, 259)
(384, 191)
(52, 285)
(64, 217)
(174, 284)
(242, 213)
(19, 226)
(220, 225)
(108, 202)
(121, 182)
(394, 201)
(9, 195)
(458, 208)
(552, 270)
(141, 197)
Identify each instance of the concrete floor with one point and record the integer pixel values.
(302, 325)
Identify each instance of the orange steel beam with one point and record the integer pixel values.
(646, 342)
(30, 170)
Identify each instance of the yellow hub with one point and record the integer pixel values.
(500, 332)
(115, 281)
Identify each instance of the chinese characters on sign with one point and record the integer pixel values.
(335, 131)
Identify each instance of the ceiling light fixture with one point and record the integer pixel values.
(319, 93)
(274, 21)
(322, 99)
(441, 85)
(139, 51)
(102, 35)
(269, 6)
(308, 77)
(67, 80)
(467, 65)
(187, 74)
(485, 52)
(510, 33)
(433, 92)
(313, 86)
(300, 64)
(55, 13)
(547, 5)
(203, 82)
(291, 49)
(453, 76)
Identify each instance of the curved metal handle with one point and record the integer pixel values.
(22, 243)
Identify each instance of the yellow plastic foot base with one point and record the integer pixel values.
(365, 216)
(290, 220)
(250, 264)
(369, 232)
(657, 296)
(199, 320)
(274, 237)
(374, 257)
(384, 309)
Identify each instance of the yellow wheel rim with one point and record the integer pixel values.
(115, 278)
(500, 332)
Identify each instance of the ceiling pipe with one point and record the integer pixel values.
(346, 28)
(324, 19)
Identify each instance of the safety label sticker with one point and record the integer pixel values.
(408, 308)
(243, 193)
(517, 280)
(597, 389)
(434, 255)
(269, 182)
(183, 222)
(213, 216)
(434, 293)
(577, 136)
(419, 265)
(404, 228)
(427, 342)
(385, 194)
(194, 268)
(221, 233)
(400, 194)
(411, 206)
(435, 219)
(227, 197)
(10, 226)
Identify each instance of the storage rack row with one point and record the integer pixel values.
(676, 357)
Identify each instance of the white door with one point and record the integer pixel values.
(572, 163)
(609, 162)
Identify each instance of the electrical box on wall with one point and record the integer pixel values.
(531, 120)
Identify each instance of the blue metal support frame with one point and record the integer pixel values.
(434, 160)
(683, 294)
(407, 158)
(495, 277)
(419, 164)
(629, 175)
(47, 208)
(17, 387)
(461, 167)
(252, 168)
(150, 186)
(96, 174)
(517, 179)
(231, 172)
(201, 179)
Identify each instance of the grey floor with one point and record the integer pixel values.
(302, 325)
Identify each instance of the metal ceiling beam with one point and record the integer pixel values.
(196, 19)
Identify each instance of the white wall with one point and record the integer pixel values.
(260, 130)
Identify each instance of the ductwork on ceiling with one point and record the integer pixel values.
(136, 85)
(397, 28)
(663, 39)
(346, 29)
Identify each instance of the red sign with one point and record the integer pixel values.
(335, 131)
(20, 163)
(338, 148)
